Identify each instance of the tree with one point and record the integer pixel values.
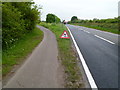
(74, 18)
(30, 15)
(51, 18)
(57, 20)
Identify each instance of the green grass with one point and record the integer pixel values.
(20, 50)
(0, 64)
(109, 27)
(67, 56)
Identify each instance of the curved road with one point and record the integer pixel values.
(42, 69)
(100, 51)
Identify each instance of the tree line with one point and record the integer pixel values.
(74, 19)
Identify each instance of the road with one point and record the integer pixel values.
(42, 68)
(100, 51)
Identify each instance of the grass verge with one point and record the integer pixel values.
(67, 56)
(109, 27)
(22, 48)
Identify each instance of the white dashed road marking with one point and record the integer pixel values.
(104, 39)
(86, 31)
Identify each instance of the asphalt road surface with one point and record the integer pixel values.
(100, 51)
(42, 68)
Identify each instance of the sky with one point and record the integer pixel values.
(83, 9)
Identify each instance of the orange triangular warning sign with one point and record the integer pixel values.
(65, 35)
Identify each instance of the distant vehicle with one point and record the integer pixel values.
(64, 22)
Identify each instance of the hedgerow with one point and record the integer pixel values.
(18, 18)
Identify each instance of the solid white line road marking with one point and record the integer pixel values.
(87, 71)
(104, 39)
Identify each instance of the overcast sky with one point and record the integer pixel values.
(83, 9)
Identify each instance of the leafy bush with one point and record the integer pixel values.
(12, 24)
(18, 18)
(30, 15)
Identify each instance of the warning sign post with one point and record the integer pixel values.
(65, 35)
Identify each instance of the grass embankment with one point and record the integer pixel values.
(67, 56)
(0, 53)
(109, 27)
(20, 50)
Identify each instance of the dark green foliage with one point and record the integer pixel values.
(95, 20)
(57, 20)
(30, 15)
(12, 25)
(18, 18)
(119, 23)
(51, 18)
(110, 25)
(74, 18)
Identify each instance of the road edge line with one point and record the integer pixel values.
(86, 69)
